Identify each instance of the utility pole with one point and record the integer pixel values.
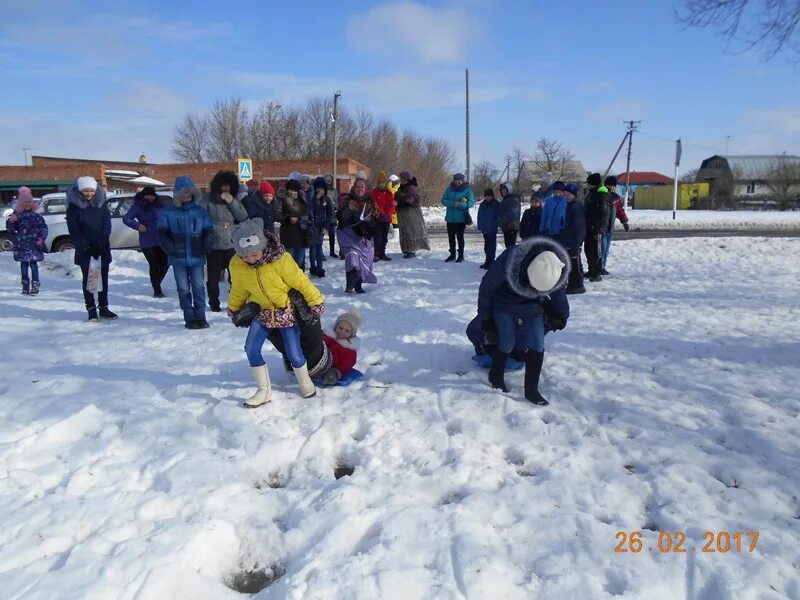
(468, 163)
(675, 184)
(727, 143)
(631, 128)
(334, 117)
(25, 151)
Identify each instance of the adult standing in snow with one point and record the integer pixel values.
(357, 220)
(458, 199)
(186, 234)
(143, 217)
(597, 216)
(488, 217)
(261, 203)
(384, 200)
(263, 272)
(331, 226)
(295, 222)
(413, 232)
(225, 211)
(30, 233)
(322, 217)
(510, 207)
(572, 237)
(89, 225)
(615, 211)
(523, 289)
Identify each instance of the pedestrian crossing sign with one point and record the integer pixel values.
(245, 169)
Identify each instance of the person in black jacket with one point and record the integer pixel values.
(572, 237)
(295, 222)
(597, 215)
(532, 217)
(89, 225)
(261, 204)
(522, 294)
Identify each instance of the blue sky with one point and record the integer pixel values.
(111, 79)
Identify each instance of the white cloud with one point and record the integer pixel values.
(784, 119)
(432, 35)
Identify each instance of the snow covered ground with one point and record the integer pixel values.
(686, 219)
(128, 468)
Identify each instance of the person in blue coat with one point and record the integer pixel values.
(522, 294)
(143, 217)
(458, 198)
(89, 226)
(572, 237)
(488, 217)
(186, 233)
(553, 213)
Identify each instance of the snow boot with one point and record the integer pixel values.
(201, 324)
(349, 277)
(34, 288)
(452, 256)
(357, 281)
(533, 369)
(92, 314)
(26, 288)
(460, 256)
(264, 392)
(106, 314)
(498, 370)
(190, 324)
(385, 257)
(307, 389)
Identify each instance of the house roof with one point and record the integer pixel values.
(644, 178)
(751, 166)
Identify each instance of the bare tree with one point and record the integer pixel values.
(484, 175)
(554, 158)
(264, 128)
(783, 181)
(516, 167)
(768, 25)
(228, 122)
(190, 143)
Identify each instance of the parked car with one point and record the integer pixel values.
(53, 208)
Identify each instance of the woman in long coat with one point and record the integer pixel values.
(413, 233)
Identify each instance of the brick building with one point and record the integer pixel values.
(50, 174)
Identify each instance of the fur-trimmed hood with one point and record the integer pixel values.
(521, 256)
(75, 197)
(221, 178)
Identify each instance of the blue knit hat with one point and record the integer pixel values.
(572, 189)
(558, 186)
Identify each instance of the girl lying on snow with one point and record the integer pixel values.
(343, 346)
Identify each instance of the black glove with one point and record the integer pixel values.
(245, 316)
(554, 323)
(626, 226)
(489, 332)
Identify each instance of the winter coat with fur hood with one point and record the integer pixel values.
(223, 215)
(89, 225)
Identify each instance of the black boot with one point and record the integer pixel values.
(357, 281)
(498, 370)
(92, 314)
(349, 279)
(452, 256)
(533, 369)
(106, 314)
(460, 256)
(26, 288)
(34, 288)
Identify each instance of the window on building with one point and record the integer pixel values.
(751, 187)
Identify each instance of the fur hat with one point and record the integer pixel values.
(87, 183)
(352, 318)
(265, 187)
(381, 179)
(248, 236)
(545, 271)
(610, 181)
(225, 177)
(293, 184)
(320, 183)
(594, 180)
(184, 190)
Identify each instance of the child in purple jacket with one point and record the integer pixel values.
(31, 233)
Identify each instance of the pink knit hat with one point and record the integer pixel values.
(25, 200)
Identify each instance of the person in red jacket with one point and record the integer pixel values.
(384, 199)
(342, 345)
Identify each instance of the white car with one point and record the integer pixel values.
(53, 208)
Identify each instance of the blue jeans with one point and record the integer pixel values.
(511, 335)
(316, 256)
(258, 334)
(299, 256)
(23, 268)
(605, 245)
(490, 246)
(191, 291)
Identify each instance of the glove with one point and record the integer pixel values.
(554, 323)
(489, 332)
(626, 226)
(226, 196)
(245, 316)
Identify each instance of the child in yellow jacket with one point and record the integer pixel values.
(262, 272)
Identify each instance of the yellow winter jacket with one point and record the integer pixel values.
(269, 286)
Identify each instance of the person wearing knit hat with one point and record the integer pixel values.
(488, 219)
(143, 217)
(321, 212)
(343, 347)
(296, 232)
(384, 200)
(531, 220)
(554, 211)
(30, 233)
(89, 226)
(261, 203)
(510, 209)
(186, 234)
(597, 217)
(520, 298)
(572, 237)
(457, 198)
(615, 211)
(263, 273)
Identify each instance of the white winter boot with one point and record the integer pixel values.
(264, 392)
(307, 388)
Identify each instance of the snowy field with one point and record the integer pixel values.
(129, 470)
(686, 219)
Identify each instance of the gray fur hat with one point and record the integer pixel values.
(248, 236)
